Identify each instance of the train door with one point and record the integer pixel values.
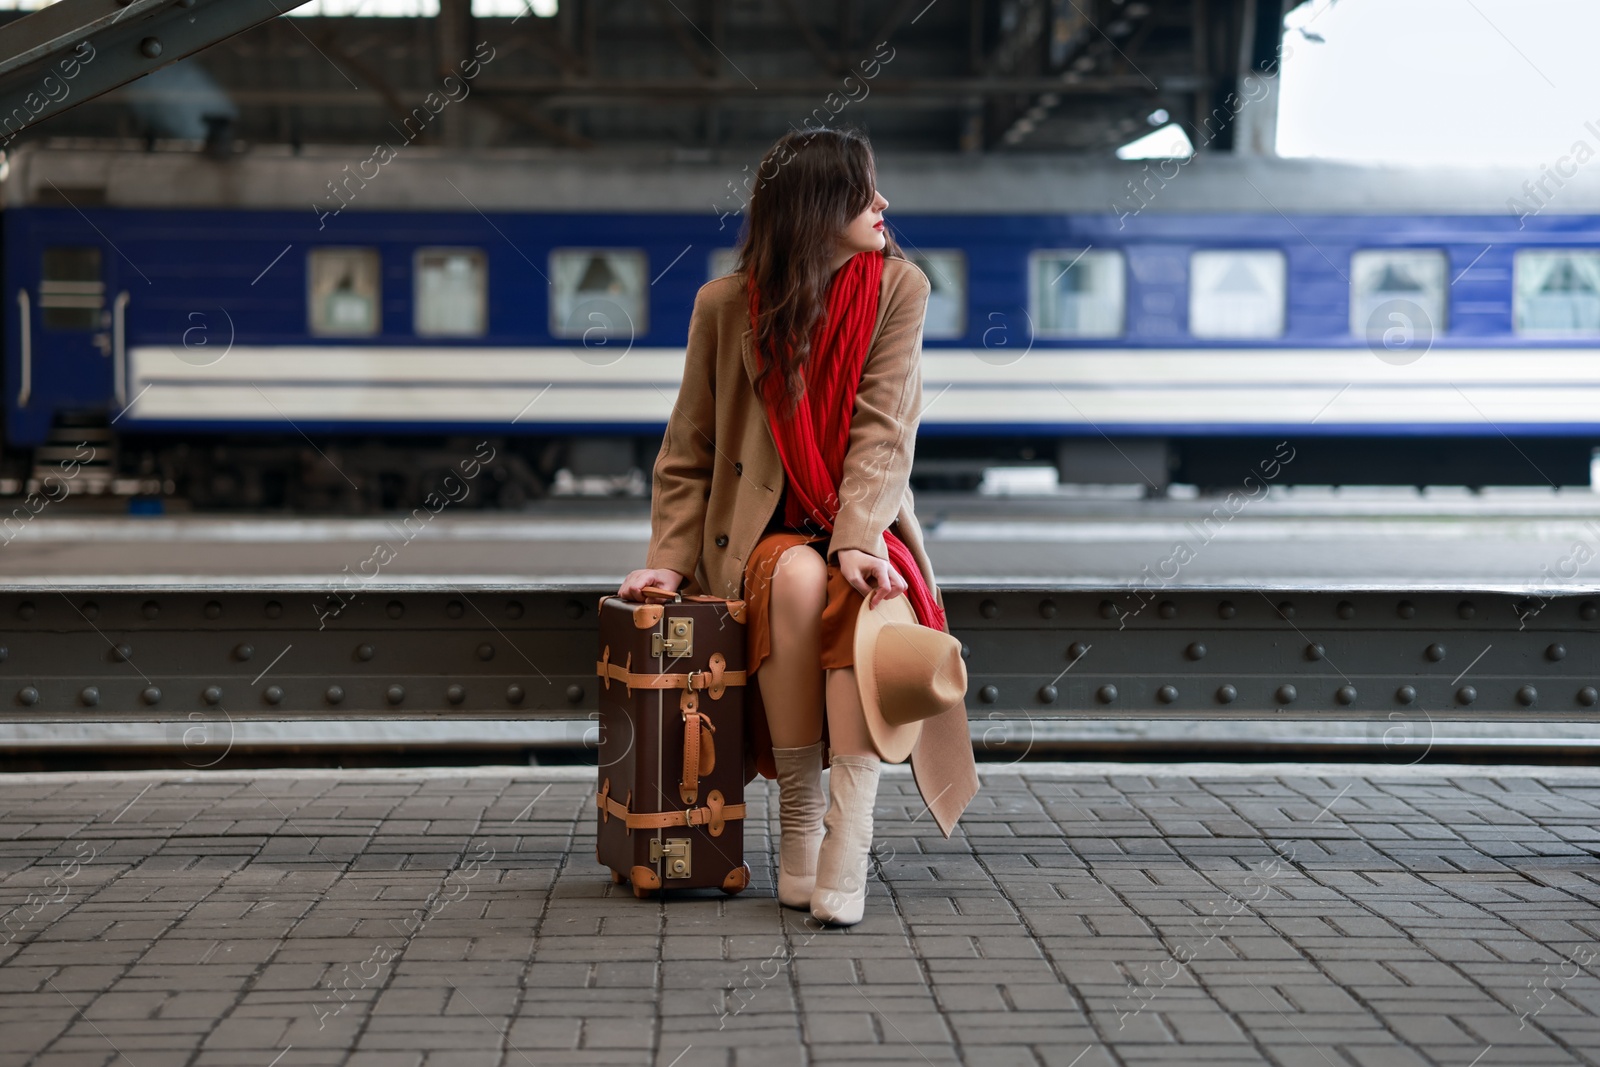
(71, 334)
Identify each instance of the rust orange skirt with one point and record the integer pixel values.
(838, 629)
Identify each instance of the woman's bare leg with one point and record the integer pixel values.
(790, 677)
(847, 723)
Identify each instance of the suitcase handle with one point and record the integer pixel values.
(661, 591)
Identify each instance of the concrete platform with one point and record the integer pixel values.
(1081, 915)
(1304, 539)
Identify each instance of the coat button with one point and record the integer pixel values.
(738, 468)
(722, 540)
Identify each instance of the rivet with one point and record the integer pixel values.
(988, 609)
(989, 694)
(243, 652)
(273, 609)
(1047, 694)
(150, 48)
(1587, 611)
(1406, 694)
(4, 653)
(1076, 650)
(454, 609)
(26, 610)
(273, 694)
(1226, 610)
(395, 609)
(1588, 695)
(1106, 694)
(1286, 694)
(966, 651)
(1227, 694)
(1196, 650)
(1466, 695)
(150, 609)
(1527, 696)
(514, 694)
(334, 695)
(1314, 652)
(213, 609)
(1434, 652)
(574, 609)
(1406, 609)
(486, 652)
(1345, 694)
(1555, 652)
(212, 694)
(574, 694)
(364, 652)
(1108, 609)
(1047, 609)
(513, 609)
(121, 654)
(89, 696)
(90, 609)
(1345, 610)
(29, 696)
(1466, 609)
(1167, 609)
(395, 693)
(456, 694)
(1167, 694)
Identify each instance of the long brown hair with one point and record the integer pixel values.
(811, 184)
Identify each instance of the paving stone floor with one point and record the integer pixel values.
(1300, 915)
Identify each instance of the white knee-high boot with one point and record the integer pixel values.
(800, 806)
(840, 894)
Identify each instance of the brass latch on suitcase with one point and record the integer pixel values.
(677, 641)
(676, 852)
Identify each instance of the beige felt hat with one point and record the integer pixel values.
(907, 672)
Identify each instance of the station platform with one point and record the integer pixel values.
(1081, 914)
(1310, 538)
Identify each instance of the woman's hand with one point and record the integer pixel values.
(872, 577)
(633, 585)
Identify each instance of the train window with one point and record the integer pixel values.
(947, 297)
(597, 294)
(1236, 294)
(71, 292)
(451, 297)
(1556, 294)
(723, 260)
(1078, 294)
(343, 286)
(1398, 290)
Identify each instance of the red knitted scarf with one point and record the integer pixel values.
(813, 439)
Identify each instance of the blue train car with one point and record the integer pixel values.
(213, 320)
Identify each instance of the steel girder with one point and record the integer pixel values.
(529, 652)
(74, 50)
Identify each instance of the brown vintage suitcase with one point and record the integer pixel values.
(671, 789)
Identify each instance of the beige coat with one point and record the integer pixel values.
(718, 478)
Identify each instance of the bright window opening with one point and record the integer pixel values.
(343, 291)
(1236, 295)
(1078, 293)
(451, 298)
(1556, 294)
(1398, 290)
(598, 294)
(947, 296)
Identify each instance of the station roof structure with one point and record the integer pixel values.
(947, 76)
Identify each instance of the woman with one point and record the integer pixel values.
(783, 481)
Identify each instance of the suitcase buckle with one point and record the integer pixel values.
(677, 641)
(675, 850)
